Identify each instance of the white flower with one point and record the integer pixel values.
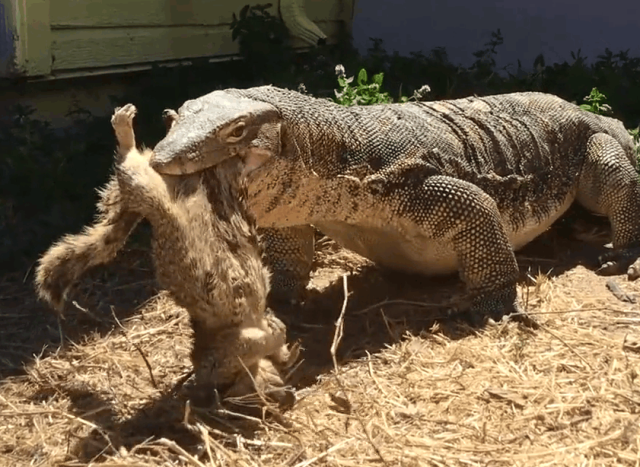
(424, 90)
(340, 71)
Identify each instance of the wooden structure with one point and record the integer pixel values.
(44, 39)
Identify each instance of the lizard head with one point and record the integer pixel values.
(213, 128)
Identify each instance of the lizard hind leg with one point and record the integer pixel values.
(469, 220)
(609, 185)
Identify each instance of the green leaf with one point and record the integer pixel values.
(362, 76)
(244, 11)
(377, 79)
(539, 60)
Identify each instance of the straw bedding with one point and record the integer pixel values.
(388, 376)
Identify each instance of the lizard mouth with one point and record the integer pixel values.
(174, 165)
(175, 155)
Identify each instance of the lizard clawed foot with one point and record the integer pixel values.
(626, 261)
(287, 291)
(500, 305)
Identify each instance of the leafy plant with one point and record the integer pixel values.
(263, 40)
(635, 134)
(485, 63)
(596, 103)
(48, 178)
(418, 94)
(255, 24)
(364, 93)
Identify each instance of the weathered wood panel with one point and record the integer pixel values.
(118, 13)
(323, 10)
(89, 48)
(32, 37)
(7, 46)
(67, 37)
(92, 48)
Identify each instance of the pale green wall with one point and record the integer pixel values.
(58, 38)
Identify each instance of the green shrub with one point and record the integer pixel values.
(364, 93)
(596, 104)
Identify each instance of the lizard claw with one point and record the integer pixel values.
(500, 305)
(621, 262)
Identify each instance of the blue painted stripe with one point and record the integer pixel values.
(6, 39)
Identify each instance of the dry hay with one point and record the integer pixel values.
(406, 390)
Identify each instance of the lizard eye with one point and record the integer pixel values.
(238, 132)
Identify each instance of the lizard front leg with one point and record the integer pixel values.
(289, 256)
(467, 219)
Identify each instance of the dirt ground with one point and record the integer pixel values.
(414, 385)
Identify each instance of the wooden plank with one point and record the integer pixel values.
(56, 35)
(33, 43)
(92, 48)
(118, 13)
(7, 46)
(328, 10)
(330, 28)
